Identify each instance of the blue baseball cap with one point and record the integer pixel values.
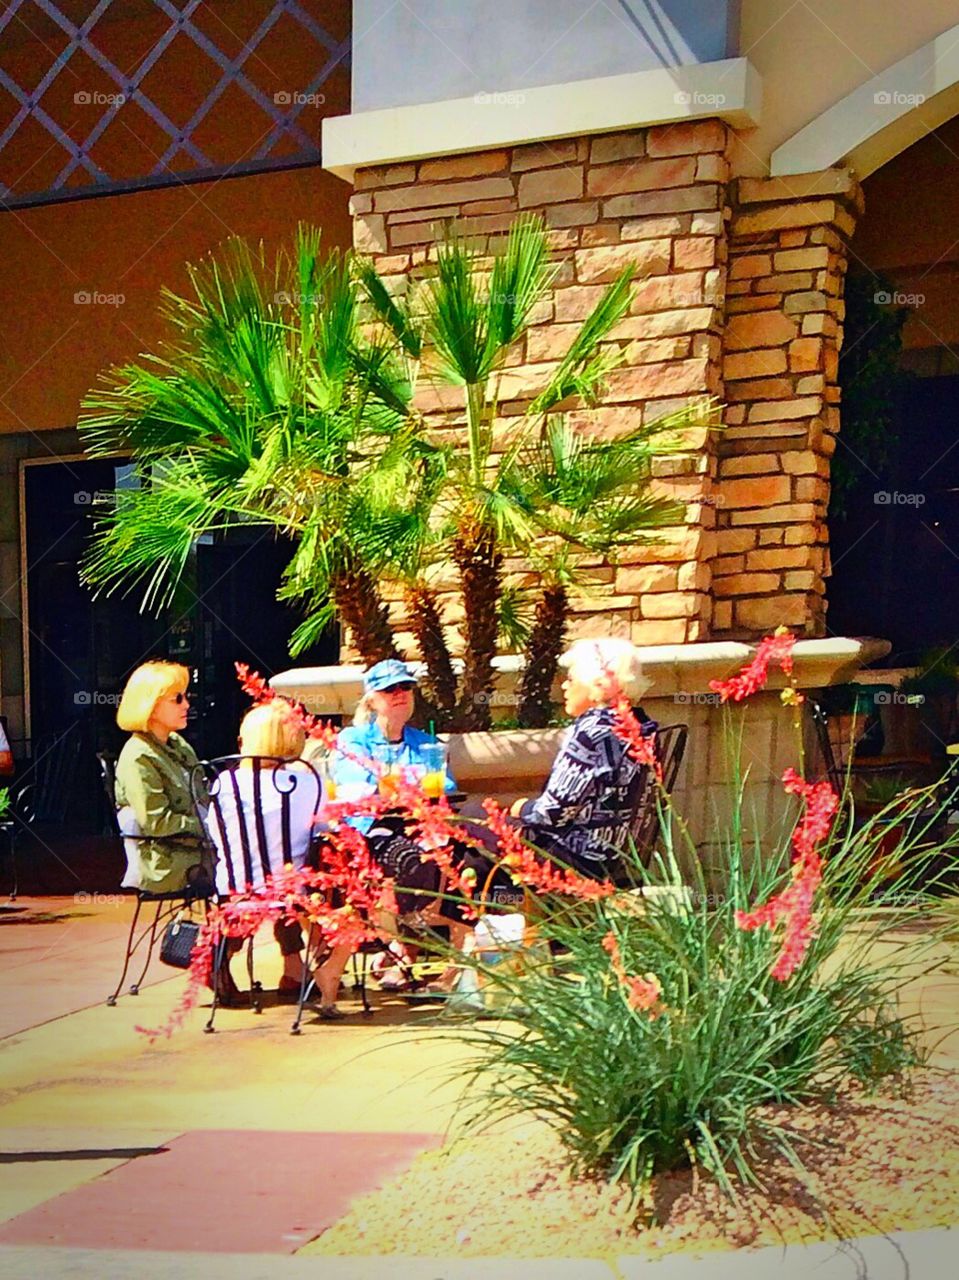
(386, 674)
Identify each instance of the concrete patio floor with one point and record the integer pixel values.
(228, 1152)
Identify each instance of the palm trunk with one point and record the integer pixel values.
(427, 627)
(361, 608)
(543, 649)
(479, 563)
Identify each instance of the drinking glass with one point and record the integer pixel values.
(433, 755)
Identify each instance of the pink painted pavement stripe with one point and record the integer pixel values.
(222, 1191)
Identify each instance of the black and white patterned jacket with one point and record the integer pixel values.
(583, 814)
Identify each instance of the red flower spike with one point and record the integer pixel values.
(777, 648)
(642, 994)
(794, 905)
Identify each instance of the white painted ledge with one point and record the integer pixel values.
(881, 117)
(669, 669)
(730, 89)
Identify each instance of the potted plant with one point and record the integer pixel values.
(287, 397)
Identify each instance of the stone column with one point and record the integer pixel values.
(788, 252)
(656, 197)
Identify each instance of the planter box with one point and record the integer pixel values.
(514, 762)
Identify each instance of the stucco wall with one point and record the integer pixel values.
(812, 54)
(427, 50)
(125, 246)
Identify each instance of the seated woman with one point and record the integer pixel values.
(263, 814)
(582, 818)
(154, 775)
(382, 736)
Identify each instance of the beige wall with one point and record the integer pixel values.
(129, 246)
(811, 54)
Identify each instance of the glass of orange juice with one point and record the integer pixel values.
(433, 755)
(388, 771)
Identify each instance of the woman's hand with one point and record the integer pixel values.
(516, 808)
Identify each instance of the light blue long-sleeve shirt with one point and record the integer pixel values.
(353, 777)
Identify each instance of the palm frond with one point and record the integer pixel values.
(583, 368)
(521, 276)
(397, 318)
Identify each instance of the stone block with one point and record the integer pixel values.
(807, 259)
(423, 195)
(750, 464)
(657, 349)
(677, 378)
(805, 355)
(789, 280)
(667, 631)
(465, 166)
(550, 186)
(745, 584)
(645, 204)
(810, 213)
(541, 155)
(618, 146)
(778, 558)
(664, 293)
(792, 513)
(653, 228)
(688, 137)
(576, 301)
(579, 213)
(770, 612)
(641, 175)
(647, 257)
(671, 604)
(764, 363)
(784, 410)
(369, 233)
(646, 579)
(760, 389)
(361, 202)
(743, 332)
(712, 168)
(800, 303)
(755, 491)
(825, 182)
(694, 251)
(665, 323)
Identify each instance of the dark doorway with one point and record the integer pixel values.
(895, 556)
(82, 649)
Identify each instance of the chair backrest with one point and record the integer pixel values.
(45, 789)
(644, 826)
(262, 815)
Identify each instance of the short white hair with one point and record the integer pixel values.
(593, 662)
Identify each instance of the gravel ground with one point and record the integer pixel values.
(882, 1163)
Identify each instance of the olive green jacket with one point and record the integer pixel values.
(154, 779)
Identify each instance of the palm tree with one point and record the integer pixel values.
(267, 407)
(286, 399)
(550, 491)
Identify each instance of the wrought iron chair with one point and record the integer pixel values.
(167, 904)
(42, 792)
(262, 816)
(644, 827)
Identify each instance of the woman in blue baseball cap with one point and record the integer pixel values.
(382, 739)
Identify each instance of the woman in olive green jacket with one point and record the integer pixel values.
(154, 776)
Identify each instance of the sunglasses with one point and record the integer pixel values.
(408, 687)
(180, 698)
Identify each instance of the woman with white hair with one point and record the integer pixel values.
(583, 815)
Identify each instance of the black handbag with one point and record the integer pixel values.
(179, 939)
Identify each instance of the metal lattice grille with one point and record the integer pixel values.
(126, 95)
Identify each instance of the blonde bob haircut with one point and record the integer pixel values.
(592, 662)
(146, 686)
(272, 729)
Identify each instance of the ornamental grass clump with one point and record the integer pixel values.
(657, 1028)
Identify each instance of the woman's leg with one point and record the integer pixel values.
(289, 937)
(328, 975)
